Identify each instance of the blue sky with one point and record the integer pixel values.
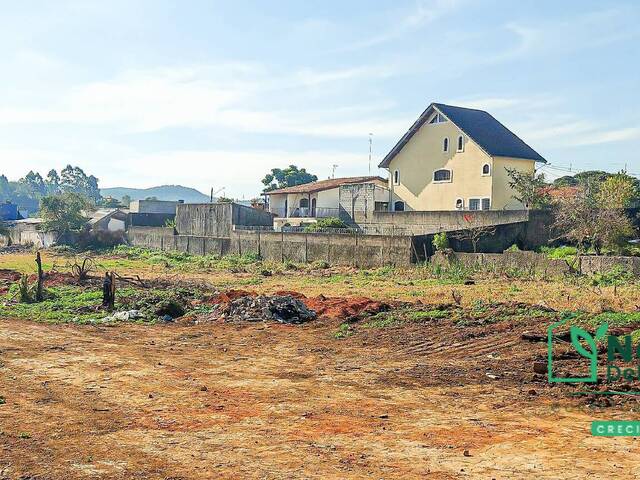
(215, 94)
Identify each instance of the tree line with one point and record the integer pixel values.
(30, 189)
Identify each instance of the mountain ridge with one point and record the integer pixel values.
(161, 192)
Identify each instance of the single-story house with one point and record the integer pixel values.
(307, 202)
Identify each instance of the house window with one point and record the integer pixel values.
(486, 203)
(445, 144)
(398, 206)
(474, 204)
(460, 143)
(437, 118)
(396, 177)
(442, 175)
(459, 204)
(304, 203)
(486, 169)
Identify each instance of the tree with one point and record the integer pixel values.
(224, 200)
(52, 182)
(584, 221)
(529, 188)
(288, 177)
(73, 179)
(617, 191)
(126, 201)
(63, 213)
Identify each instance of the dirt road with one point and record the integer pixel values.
(224, 400)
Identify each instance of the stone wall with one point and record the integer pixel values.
(336, 249)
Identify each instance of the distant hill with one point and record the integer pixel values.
(164, 192)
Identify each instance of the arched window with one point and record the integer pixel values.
(460, 143)
(442, 175)
(445, 144)
(396, 177)
(398, 206)
(486, 169)
(459, 204)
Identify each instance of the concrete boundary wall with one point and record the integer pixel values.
(527, 261)
(336, 249)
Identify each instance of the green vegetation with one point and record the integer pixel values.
(329, 222)
(440, 241)
(63, 213)
(344, 331)
(615, 277)
(513, 248)
(185, 261)
(287, 177)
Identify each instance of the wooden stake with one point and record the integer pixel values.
(39, 296)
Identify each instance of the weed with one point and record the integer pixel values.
(2, 400)
(344, 330)
(382, 320)
(513, 248)
(614, 277)
(616, 319)
(427, 315)
(24, 435)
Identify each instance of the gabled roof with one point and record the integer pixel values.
(490, 135)
(325, 184)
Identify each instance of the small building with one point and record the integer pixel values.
(307, 202)
(109, 219)
(154, 206)
(455, 158)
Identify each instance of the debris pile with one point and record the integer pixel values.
(281, 308)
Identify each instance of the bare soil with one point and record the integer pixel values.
(265, 400)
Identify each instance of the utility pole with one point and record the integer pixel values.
(370, 149)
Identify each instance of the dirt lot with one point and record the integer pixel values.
(436, 398)
(277, 401)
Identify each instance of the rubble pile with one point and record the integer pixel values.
(281, 308)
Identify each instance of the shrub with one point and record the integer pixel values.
(440, 241)
(513, 248)
(329, 222)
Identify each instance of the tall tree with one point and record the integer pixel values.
(288, 177)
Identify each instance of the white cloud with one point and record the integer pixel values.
(426, 11)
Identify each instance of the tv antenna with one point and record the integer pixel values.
(370, 149)
(333, 170)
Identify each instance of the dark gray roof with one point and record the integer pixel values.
(491, 135)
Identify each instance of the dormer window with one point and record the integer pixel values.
(460, 143)
(442, 175)
(445, 144)
(437, 118)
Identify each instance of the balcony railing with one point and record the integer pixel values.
(303, 212)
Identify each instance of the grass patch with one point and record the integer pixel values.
(344, 331)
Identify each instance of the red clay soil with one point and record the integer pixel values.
(326, 307)
(7, 277)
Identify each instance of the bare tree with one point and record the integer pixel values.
(475, 234)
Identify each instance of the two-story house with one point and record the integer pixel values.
(455, 158)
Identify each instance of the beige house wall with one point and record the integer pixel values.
(424, 154)
(502, 193)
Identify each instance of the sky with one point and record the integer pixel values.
(214, 94)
